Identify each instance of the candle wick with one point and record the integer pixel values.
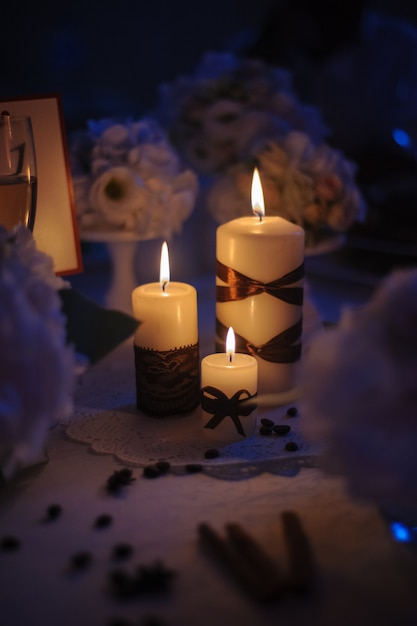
(164, 284)
(258, 213)
(230, 357)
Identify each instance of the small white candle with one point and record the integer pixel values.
(167, 311)
(263, 249)
(168, 332)
(234, 377)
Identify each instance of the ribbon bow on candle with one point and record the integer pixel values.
(280, 349)
(240, 286)
(216, 402)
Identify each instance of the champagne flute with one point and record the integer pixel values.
(18, 179)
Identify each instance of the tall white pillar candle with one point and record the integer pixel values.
(228, 381)
(166, 345)
(252, 252)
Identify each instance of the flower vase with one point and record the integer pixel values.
(123, 279)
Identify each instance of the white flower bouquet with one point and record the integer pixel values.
(360, 394)
(233, 114)
(310, 185)
(220, 115)
(129, 179)
(36, 365)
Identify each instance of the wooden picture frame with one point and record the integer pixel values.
(56, 228)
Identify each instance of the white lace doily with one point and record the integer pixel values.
(107, 420)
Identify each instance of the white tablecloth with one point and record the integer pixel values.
(363, 577)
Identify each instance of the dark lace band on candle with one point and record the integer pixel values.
(167, 382)
(280, 349)
(216, 402)
(239, 286)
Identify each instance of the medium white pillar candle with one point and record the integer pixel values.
(227, 381)
(166, 344)
(263, 249)
(168, 318)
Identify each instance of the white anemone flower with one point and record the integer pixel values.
(120, 198)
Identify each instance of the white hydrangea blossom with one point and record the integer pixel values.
(360, 393)
(36, 365)
(128, 178)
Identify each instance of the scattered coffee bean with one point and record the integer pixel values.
(151, 471)
(112, 484)
(211, 453)
(122, 584)
(119, 479)
(291, 446)
(53, 511)
(147, 579)
(103, 521)
(292, 411)
(122, 551)
(267, 422)
(9, 544)
(81, 560)
(193, 468)
(125, 476)
(154, 578)
(264, 430)
(163, 466)
(281, 429)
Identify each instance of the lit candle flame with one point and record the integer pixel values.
(164, 275)
(230, 343)
(257, 196)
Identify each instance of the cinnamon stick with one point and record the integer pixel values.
(264, 567)
(300, 555)
(238, 566)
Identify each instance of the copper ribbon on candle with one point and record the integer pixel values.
(280, 349)
(240, 286)
(216, 402)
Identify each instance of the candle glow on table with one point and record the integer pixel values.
(228, 379)
(166, 344)
(259, 290)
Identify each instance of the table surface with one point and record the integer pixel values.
(362, 576)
